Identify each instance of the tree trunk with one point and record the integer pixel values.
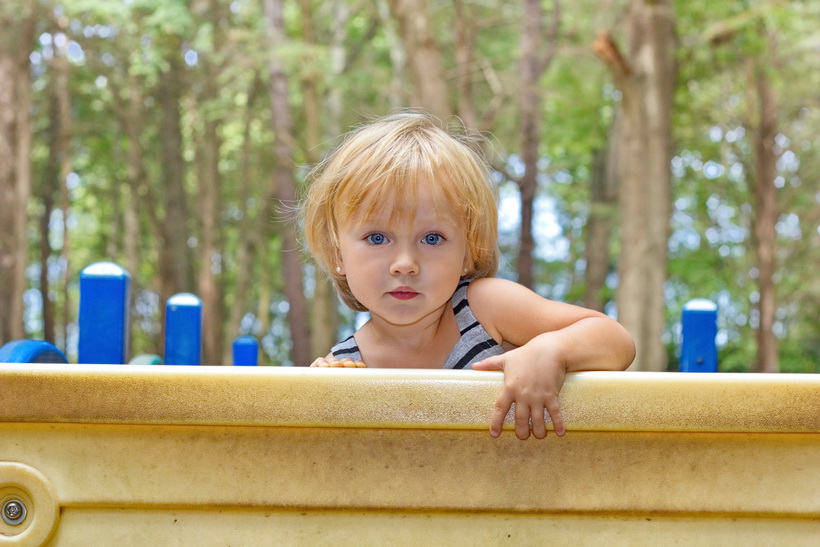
(249, 241)
(49, 187)
(130, 248)
(209, 184)
(765, 218)
(175, 248)
(143, 198)
(285, 188)
(530, 135)
(603, 210)
(465, 62)
(398, 90)
(324, 318)
(430, 88)
(646, 80)
(533, 64)
(61, 68)
(16, 39)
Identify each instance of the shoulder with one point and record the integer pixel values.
(513, 313)
(494, 300)
(496, 290)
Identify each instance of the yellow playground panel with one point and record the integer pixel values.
(149, 455)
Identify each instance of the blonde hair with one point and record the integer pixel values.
(381, 162)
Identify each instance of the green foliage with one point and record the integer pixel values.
(223, 63)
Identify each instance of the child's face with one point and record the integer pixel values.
(404, 268)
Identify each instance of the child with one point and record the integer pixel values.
(403, 217)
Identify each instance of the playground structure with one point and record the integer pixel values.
(104, 321)
(104, 325)
(95, 454)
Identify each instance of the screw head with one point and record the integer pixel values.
(14, 512)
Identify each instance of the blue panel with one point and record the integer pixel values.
(105, 292)
(699, 350)
(31, 351)
(246, 351)
(183, 330)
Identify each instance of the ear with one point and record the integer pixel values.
(338, 263)
(467, 265)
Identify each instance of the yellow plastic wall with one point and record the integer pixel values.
(142, 455)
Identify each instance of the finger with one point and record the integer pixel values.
(502, 406)
(556, 416)
(319, 362)
(491, 363)
(539, 428)
(522, 421)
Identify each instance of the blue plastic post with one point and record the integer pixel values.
(183, 330)
(699, 350)
(245, 351)
(105, 292)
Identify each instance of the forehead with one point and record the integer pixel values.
(399, 201)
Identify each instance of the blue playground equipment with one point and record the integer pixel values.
(183, 330)
(698, 349)
(245, 351)
(31, 351)
(105, 294)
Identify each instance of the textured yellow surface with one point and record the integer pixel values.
(220, 455)
(600, 401)
(356, 529)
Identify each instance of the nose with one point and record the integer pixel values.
(404, 262)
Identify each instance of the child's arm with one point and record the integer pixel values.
(552, 338)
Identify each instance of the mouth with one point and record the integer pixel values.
(403, 293)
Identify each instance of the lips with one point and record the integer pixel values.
(403, 293)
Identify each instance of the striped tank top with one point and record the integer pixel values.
(473, 346)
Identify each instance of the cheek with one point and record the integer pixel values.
(463, 256)
(346, 251)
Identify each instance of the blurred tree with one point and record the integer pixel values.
(426, 64)
(324, 320)
(646, 77)
(284, 186)
(64, 153)
(719, 128)
(536, 55)
(348, 61)
(17, 26)
(766, 211)
(603, 211)
(178, 274)
(210, 14)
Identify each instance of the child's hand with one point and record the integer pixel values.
(331, 361)
(532, 380)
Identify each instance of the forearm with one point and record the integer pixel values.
(593, 343)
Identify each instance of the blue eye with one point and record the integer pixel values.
(376, 239)
(432, 239)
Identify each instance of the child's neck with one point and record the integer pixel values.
(423, 345)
